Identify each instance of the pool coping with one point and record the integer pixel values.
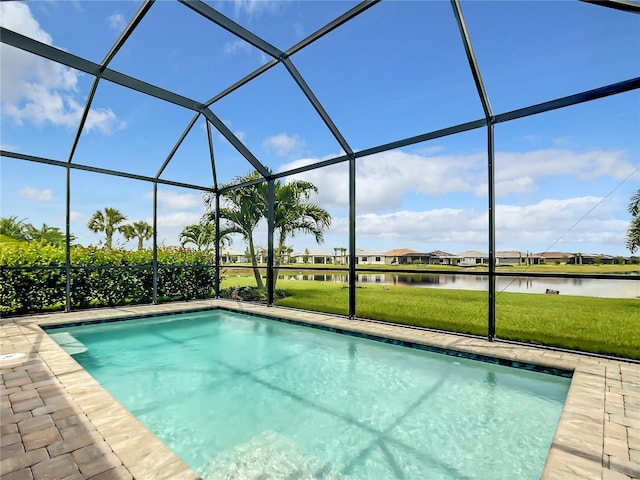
(598, 435)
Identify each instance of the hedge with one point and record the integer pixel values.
(33, 278)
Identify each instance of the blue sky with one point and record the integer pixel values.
(564, 178)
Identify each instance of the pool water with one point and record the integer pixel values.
(239, 396)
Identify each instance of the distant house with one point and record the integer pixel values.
(393, 257)
(438, 257)
(229, 255)
(592, 258)
(511, 257)
(406, 256)
(368, 257)
(313, 256)
(551, 258)
(471, 258)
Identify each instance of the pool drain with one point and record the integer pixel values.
(11, 356)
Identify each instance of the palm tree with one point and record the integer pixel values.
(14, 228)
(633, 232)
(202, 234)
(242, 209)
(140, 230)
(48, 235)
(109, 222)
(294, 213)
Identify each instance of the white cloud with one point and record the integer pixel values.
(39, 91)
(283, 144)
(538, 164)
(35, 194)
(75, 215)
(230, 48)
(434, 227)
(560, 221)
(383, 180)
(550, 224)
(177, 219)
(116, 21)
(238, 133)
(255, 7)
(298, 29)
(171, 200)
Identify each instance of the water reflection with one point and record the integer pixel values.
(585, 287)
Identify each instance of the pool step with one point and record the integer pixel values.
(69, 343)
(268, 456)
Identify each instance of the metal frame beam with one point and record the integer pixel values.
(232, 27)
(353, 12)
(270, 249)
(43, 50)
(67, 241)
(105, 171)
(575, 99)
(471, 58)
(83, 119)
(233, 140)
(155, 244)
(293, 71)
(126, 33)
(177, 145)
(212, 156)
(217, 246)
(491, 179)
(352, 236)
(486, 107)
(624, 5)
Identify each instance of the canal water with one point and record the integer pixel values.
(586, 287)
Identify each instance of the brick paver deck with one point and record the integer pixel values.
(58, 423)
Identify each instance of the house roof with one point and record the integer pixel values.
(230, 251)
(313, 252)
(553, 254)
(473, 253)
(510, 253)
(440, 253)
(398, 252)
(362, 251)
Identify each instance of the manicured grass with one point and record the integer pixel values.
(600, 325)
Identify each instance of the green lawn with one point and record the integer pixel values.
(600, 325)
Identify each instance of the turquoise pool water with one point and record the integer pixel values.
(238, 396)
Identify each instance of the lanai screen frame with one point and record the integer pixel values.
(101, 71)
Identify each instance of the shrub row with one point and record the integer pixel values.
(33, 277)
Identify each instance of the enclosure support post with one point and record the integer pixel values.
(217, 223)
(270, 223)
(67, 258)
(488, 114)
(352, 236)
(155, 243)
(492, 234)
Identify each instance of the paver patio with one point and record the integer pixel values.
(57, 422)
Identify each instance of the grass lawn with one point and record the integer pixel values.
(601, 325)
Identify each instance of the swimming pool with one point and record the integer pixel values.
(237, 396)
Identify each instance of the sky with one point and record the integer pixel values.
(563, 178)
